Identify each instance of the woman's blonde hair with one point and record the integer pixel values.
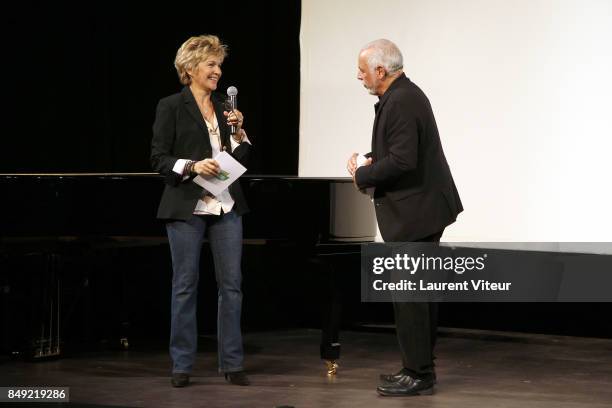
(195, 50)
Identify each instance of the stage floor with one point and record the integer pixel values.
(475, 369)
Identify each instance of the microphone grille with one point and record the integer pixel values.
(232, 91)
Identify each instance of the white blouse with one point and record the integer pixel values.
(209, 204)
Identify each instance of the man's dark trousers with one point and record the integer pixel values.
(416, 325)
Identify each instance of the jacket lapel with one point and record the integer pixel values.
(218, 103)
(192, 107)
(374, 127)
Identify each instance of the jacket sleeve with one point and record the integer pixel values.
(242, 153)
(162, 144)
(402, 138)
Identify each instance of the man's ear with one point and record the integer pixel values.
(381, 72)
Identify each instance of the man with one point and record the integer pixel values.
(414, 195)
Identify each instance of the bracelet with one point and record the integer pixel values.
(242, 133)
(188, 170)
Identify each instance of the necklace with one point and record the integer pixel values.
(214, 130)
(205, 110)
(210, 121)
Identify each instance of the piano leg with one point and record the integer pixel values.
(331, 315)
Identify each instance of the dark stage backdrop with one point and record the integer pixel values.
(81, 82)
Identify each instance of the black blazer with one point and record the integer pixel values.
(179, 132)
(414, 192)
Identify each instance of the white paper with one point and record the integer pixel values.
(361, 160)
(229, 167)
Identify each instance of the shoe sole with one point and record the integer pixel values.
(179, 385)
(428, 391)
(387, 382)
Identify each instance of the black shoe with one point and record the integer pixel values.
(237, 378)
(180, 379)
(391, 378)
(407, 386)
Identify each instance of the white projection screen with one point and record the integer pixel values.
(521, 91)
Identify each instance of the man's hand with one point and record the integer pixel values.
(351, 165)
(206, 167)
(353, 160)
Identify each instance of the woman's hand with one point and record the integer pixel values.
(235, 118)
(206, 167)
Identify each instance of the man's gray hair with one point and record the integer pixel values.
(384, 54)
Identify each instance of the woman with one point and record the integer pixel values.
(191, 127)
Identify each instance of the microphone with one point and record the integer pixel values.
(232, 91)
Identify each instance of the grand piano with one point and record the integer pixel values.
(73, 248)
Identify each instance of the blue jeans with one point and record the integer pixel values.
(186, 237)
